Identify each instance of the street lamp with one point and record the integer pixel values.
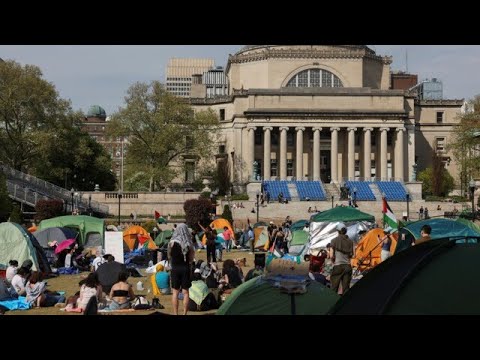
(355, 196)
(407, 196)
(90, 204)
(120, 193)
(258, 202)
(72, 192)
(332, 201)
(472, 192)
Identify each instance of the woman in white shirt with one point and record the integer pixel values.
(18, 282)
(11, 269)
(90, 287)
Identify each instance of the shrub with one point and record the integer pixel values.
(16, 216)
(47, 209)
(197, 210)
(237, 197)
(5, 203)
(227, 214)
(433, 198)
(149, 225)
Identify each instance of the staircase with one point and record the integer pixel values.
(28, 189)
(292, 188)
(331, 190)
(375, 190)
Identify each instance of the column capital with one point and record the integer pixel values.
(351, 129)
(267, 128)
(251, 128)
(367, 129)
(317, 128)
(334, 129)
(299, 128)
(384, 129)
(400, 129)
(281, 128)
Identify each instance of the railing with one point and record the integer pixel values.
(372, 179)
(48, 190)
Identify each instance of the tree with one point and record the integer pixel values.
(5, 202)
(227, 214)
(465, 144)
(223, 177)
(161, 128)
(47, 209)
(16, 216)
(197, 210)
(443, 187)
(30, 111)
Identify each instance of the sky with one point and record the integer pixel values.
(101, 75)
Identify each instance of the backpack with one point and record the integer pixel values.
(141, 303)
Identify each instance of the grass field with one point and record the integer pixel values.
(69, 284)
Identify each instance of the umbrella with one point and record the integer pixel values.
(108, 274)
(64, 245)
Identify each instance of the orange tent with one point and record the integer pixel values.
(367, 252)
(218, 224)
(130, 237)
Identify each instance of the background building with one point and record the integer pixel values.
(180, 71)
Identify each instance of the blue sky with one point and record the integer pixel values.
(101, 75)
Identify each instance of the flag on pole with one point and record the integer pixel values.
(159, 218)
(389, 218)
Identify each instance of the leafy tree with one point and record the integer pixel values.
(443, 186)
(466, 143)
(47, 209)
(75, 155)
(227, 214)
(197, 210)
(16, 216)
(30, 111)
(223, 177)
(160, 128)
(5, 202)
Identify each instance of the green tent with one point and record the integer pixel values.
(432, 278)
(163, 238)
(298, 225)
(441, 228)
(259, 297)
(18, 244)
(91, 229)
(469, 223)
(299, 237)
(342, 213)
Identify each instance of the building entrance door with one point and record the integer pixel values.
(325, 166)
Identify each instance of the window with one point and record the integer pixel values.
(289, 167)
(315, 78)
(274, 138)
(440, 144)
(389, 137)
(189, 171)
(439, 117)
(258, 137)
(222, 114)
(221, 149)
(273, 167)
(290, 138)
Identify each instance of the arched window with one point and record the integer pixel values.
(315, 78)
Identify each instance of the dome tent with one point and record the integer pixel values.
(18, 244)
(432, 278)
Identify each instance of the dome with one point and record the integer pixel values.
(96, 111)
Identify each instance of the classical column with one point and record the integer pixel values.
(299, 161)
(334, 155)
(316, 153)
(251, 151)
(383, 153)
(266, 151)
(367, 153)
(351, 153)
(399, 165)
(283, 153)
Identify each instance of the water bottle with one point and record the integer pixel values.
(150, 263)
(139, 286)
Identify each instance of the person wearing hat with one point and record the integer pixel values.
(161, 281)
(341, 253)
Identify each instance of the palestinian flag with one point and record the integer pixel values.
(389, 218)
(159, 218)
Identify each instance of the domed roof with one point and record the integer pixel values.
(96, 111)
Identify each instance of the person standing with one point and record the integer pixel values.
(341, 253)
(228, 236)
(180, 254)
(386, 244)
(420, 212)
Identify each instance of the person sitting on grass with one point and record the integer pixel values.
(161, 281)
(38, 296)
(90, 287)
(201, 298)
(121, 293)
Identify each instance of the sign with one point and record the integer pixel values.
(114, 244)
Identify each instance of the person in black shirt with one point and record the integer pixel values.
(180, 254)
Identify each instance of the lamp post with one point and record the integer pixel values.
(72, 192)
(407, 196)
(120, 193)
(472, 193)
(90, 204)
(355, 196)
(332, 201)
(258, 203)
